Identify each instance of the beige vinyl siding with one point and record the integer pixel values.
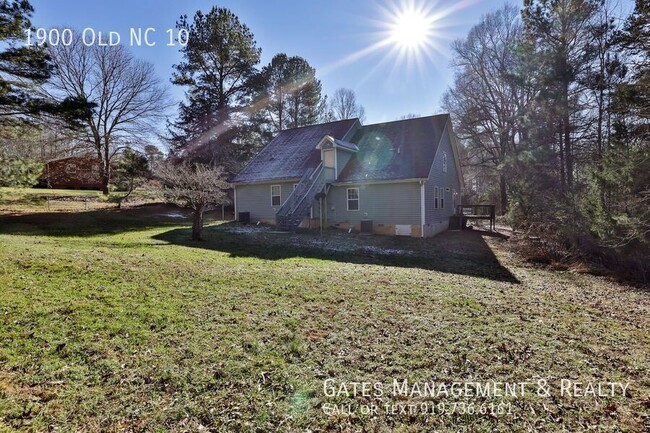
(256, 199)
(383, 203)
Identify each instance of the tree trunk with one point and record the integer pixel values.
(105, 181)
(503, 144)
(504, 194)
(119, 202)
(566, 131)
(106, 176)
(197, 224)
(561, 153)
(569, 153)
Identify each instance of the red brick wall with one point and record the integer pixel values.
(78, 172)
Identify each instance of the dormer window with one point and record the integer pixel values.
(328, 158)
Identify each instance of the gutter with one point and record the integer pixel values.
(379, 181)
(265, 181)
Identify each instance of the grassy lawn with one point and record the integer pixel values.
(114, 321)
(20, 200)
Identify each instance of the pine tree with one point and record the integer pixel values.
(24, 69)
(562, 33)
(217, 69)
(290, 93)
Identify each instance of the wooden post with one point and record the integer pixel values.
(493, 222)
(223, 214)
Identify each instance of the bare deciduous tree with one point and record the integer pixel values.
(344, 105)
(485, 100)
(130, 100)
(196, 187)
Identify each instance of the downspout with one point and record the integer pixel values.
(422, 209)
(234, 188)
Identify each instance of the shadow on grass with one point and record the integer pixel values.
(91, 223)
(464, 253)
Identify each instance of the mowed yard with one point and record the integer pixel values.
(114, 321)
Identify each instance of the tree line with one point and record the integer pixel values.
(62, 100)
(552, 103)
(232, 105)
(104, 100)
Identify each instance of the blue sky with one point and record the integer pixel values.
(326, 33)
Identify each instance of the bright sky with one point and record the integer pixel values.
(393, 54)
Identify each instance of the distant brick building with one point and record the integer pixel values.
(75, 172)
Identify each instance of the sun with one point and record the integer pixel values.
(412, 34)
(411, 29)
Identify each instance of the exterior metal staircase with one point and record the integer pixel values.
(296, 207)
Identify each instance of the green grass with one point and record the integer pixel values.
(114, 321)
(21, 200)
(47, 191)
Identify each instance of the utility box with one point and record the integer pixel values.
(457, 222)
(402, 229)
(244, 217)
(366, 226)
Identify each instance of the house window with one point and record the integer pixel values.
(353, 198)
(442, 198)
(295, 185)
(275, 195)
(435, 197)
(444, 162)
(328, 158)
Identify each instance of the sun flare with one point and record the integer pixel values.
(411, 29)
(412, 34)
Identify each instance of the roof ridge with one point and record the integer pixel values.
(318, 124)
(407, 120)
(89, 154)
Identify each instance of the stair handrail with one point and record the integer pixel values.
(314, 177)
(288, 203)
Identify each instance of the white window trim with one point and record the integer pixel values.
(278, 195)
(347, 199)
(436, 201)
(441, 198)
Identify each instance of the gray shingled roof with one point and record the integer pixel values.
(403, 149)
(292, 152)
